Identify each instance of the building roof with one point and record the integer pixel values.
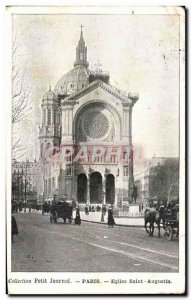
(78, 77)
(72, 81)
(49, 95)
(126, 99)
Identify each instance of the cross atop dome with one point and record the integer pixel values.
(81, 33)
(81, 52)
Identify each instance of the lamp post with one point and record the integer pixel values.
(103, 197)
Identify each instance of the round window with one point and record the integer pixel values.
(96, 125)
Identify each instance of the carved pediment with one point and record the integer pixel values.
(125, 99)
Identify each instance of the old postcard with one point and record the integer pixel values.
(95, 186)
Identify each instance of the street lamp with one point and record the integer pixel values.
(103, 197)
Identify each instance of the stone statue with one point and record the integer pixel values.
(134, 194)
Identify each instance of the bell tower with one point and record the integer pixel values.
(81, 52)
(50, 129)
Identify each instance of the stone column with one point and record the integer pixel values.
(130, 125)
(67, 121)
(115, 194)
(126, 124)
(74, 183)
(88, 188)
(104, 189)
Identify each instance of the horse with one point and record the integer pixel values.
(45, 208)
(153, 217)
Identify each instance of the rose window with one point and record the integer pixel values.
(96, 125)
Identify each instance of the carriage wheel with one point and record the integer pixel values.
(168, 233)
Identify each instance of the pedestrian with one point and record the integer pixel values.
(102, 217)
(14, 228)
(86, 210)
(111, 220)
(104, 209)
(77, 218)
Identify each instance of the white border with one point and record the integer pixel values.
(177, 279)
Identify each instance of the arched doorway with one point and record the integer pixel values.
(82, 188)
(110, 189)
(96, 188)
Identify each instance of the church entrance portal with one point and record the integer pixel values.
(96, 188)
(82, 188)
(110, 189)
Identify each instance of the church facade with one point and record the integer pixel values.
(86, 137)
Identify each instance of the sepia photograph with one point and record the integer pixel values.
(96, 170)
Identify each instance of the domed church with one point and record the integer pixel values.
(86, 138)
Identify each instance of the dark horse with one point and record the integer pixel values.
(153, 217)
(45, 208)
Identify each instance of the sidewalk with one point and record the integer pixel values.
(95, 217)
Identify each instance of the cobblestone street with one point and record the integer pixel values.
(42, 247)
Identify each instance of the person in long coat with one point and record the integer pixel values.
(111, 220)
(102, 217)
(77, 218)
(86, 210)
(14, 228)
(104, 209)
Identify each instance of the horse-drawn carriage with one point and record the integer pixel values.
(171, 223)
(61, 210)
(168, 217)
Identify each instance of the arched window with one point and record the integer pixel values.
(53, 184)
(44, 116)
(49, 186)
(41, 150)
(68, 170)
(45, 186)
(125, 171)
(49, 116)
(54, 116)
(58, 121)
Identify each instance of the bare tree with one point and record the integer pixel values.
(20, 102)
(164, 182)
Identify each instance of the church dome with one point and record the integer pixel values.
(72, 81)
(78, 77)
(49, 95)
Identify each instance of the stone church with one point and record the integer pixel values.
(87, 125)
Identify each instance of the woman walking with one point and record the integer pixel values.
(77, 218)
(14, 228)
(111, 220)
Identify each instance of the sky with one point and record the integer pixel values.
(139, 51)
